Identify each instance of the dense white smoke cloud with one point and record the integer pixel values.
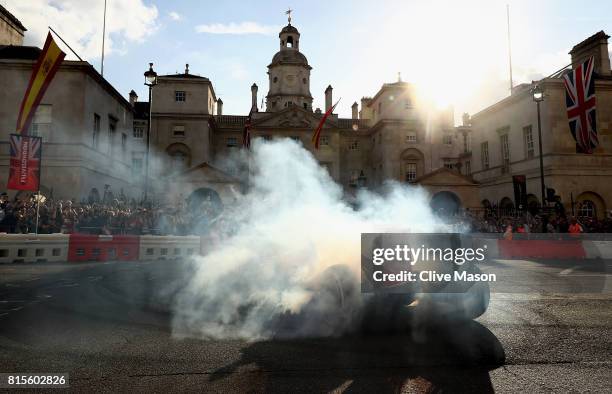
(290, 227)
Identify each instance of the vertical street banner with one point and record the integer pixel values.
(520, 191)
(44, 70)
(24, 171)
(580, 102)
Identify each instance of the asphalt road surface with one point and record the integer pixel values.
(109, 326)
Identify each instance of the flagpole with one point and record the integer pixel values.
(509, 45)
(103, 37)
(65, 43)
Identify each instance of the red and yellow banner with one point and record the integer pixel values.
(47, 65)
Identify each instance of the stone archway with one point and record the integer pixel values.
(445, 203)
(204, 206)
(533, 204)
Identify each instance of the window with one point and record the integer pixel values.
(447, 139)
(586, 209)
(231, 142)
(305, 105)
(484, 155)
(96, 130)
(295, 138)
(411, 172)
(123, 142)
(112, 128)
(505, 153)
(354, 177)
(324, 140)
(179, 95)
(41, 123)
(178, 131)
(353, 145)
(450, 165)
(138, 132)
(267, 137)
(528, 139)
(468, 168)
(379, 108)
(467, 143)
(179, 161)
(136, 164)
(411, 138)
(407, 104)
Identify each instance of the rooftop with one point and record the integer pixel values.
(19, 52)
(600, 35)
(12, 18)
(184, 76)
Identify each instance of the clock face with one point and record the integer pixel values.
(290, 80)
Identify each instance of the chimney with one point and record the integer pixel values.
(133, 97)
(219, 106)
(328, 98)
(366, 111)
(355, 110)
(254, 98)
(596, 46)
(186, 68)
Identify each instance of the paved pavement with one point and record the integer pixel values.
(108, 325)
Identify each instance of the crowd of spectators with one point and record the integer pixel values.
(491, 221)
(114, 217)
(123, 216)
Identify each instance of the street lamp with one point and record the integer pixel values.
(150, 81)
(538, 97)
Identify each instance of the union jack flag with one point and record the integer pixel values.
(24, 172)
(580, 102)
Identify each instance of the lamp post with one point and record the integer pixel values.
(150, 81)
(538, 97)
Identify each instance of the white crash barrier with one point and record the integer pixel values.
(167, 247)
(598, 249)
(30, 248)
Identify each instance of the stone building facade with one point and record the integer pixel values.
(11, 29)
(85, 124)
(391, 137)
(505, 142)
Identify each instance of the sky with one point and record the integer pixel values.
(455, 52)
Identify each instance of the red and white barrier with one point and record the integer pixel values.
(156, 247)
(30, 248)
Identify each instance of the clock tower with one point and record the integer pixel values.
(289, 74)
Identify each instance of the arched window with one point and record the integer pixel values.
(290, 42)
(179, 161)
(587, 209)
(179, 157)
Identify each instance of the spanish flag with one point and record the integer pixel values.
(317, 133)
(49, 61)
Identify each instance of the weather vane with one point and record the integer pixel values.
(288, 12)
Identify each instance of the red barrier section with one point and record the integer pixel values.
(541, 249)
(84, 247)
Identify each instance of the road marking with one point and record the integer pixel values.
(569, 270)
